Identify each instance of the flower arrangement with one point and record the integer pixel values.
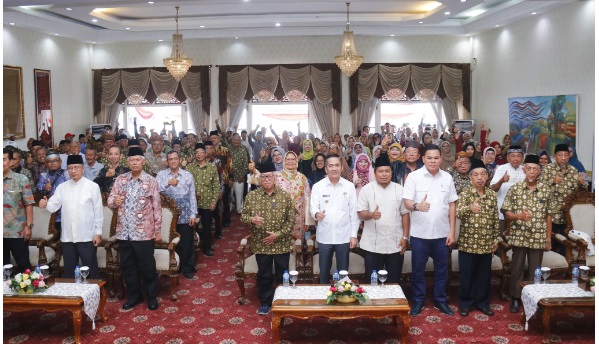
(592, 284)
(346, 291)
(28, 282)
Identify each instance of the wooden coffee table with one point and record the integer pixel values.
(559, 304)
(306, 309)
(26, 302)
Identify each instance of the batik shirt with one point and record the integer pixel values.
(531, 234)
(17, 195)
(219, 168)
(240, 161)
(36, 171)
(561, 190)
(478, 232)
(206, 182)
(279, 217)
(26, 173)
(224, 156)
(460, 182)
(140, 216)
(106, 183)
(157, 163)
(183, 194)
(55, 178)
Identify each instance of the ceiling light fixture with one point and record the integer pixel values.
(420, 22)
(278, 24)
(348, 61)
(202, 26)
(447, 13)
(95, 20)
(69, 9)
(236, 37)
(533, 13)
(160, 40)
(497, 25)
(13, 24)
(151, 2)
(127, 28)
(392, 35)
(178, 64)
(55, 34)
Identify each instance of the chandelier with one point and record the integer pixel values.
(178, 64)
(348, 61)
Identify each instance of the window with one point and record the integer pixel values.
(409, 113)
(282, 116)
(157, 117)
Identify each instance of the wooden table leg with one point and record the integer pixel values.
(546, 324)
(77, 324)
(276, 322)
(103, 317)
(405, 320)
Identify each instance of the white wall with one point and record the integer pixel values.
(71, 78)
(548, 54)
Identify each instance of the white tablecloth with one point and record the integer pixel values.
(89, 292)
(532, 293)
(319, 292)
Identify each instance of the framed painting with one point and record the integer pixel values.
(13, 108)
(542, 122)
(43, 106)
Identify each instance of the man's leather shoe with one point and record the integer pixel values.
(416, 309)
(464, 312)
(515, 306)
(188, 275)
(209, 253)
(132, 303)
(218, 236)
(444, 308)
(487, 311)
(153, 304)
(226, 224)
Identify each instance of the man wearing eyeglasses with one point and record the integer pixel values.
(49, 181)
(82, 218)
(270, 213)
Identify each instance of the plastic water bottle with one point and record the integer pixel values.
(77, 274)
(336, 276)
(374, 278)
(38, 270)
(538, 275)
(575, 274)
(286, 278)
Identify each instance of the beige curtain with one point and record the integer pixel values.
(394, 80)
(163, 84)
(191, 85)
(237, 85)
(264, 83)
(367, 82)
(135, 85)
(321, 107)
(425, 81)
(295, 82)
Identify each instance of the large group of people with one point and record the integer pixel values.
(383, 191)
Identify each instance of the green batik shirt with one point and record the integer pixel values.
(206, 182)
(478, 232)
(278, 212)
(240, 160)
(531, 234)
(16, 196)
(460, 182)
(561, 190)
(123, 163)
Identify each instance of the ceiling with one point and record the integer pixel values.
(112, 21)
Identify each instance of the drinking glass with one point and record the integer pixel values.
(584, 273)
(7, 271)
(545, 273)
(84, 272)
(45, 271)
(343, 274)
(382, 277)
(293, 275)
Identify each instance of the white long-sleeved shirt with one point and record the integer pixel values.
(341, 221)
(82, 214)
(516, 176)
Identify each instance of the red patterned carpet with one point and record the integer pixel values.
(207, 312)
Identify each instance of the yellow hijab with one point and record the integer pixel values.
(401, 157)
(310, 154)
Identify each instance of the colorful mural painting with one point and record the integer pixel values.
(540, 123)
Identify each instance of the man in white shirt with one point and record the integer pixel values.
(429, 193)
(73, 149)
(386, 223)
(507, 175)
(82, 218)
(333, 205)
(93, 168)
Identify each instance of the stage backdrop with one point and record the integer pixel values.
(540, 123)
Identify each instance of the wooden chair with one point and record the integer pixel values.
(579, 208)
(167, 260)
(247, 266)
(43, 245)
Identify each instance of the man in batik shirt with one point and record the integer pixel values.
(219, 169)
(179, 185)
(459, 172)
(156, 158)
(223, 154)
(240, 161)
(38, 166)
(206, 182)
(135, 195)
(50, 180)
(17, 214)
(527, 206)
(15, 166)
(270, 213)
(563, 179)
(477, 209)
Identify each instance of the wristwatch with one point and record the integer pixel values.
(414, 207)
(30, 225)
(406, 238)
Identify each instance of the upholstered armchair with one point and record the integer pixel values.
(167, 260)
(579, 208)
(247, 266)
(44, 236)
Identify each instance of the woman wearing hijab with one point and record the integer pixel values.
(278, 155)
(544, 159)
(395, 152)
(376, 140)
(447, 157)
(323, 148)
(306, 157)
(296, 184)
(489, 160)
(363, 172)
(334, 148)
(318, 173)
(574, 160)
(427, 139)
(376, 152)
(358, 149)
(348, 151)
